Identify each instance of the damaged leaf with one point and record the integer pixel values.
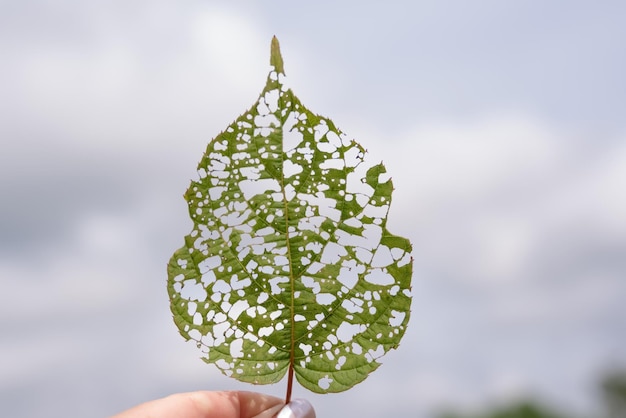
(289, 267)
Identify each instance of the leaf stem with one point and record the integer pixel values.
(289, 379)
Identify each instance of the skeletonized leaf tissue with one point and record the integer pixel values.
(290, 268)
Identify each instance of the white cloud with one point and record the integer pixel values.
(232, 46)
(490, 194)
(468, 160)
(128, 86)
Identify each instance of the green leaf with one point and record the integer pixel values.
(290, 268)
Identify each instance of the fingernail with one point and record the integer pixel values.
(298, 408)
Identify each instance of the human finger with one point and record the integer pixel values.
(205, 404)
(298, 408)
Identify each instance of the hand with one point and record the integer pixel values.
(204, 404)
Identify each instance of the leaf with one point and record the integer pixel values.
(290, 267)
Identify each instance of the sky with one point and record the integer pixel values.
(501, 123)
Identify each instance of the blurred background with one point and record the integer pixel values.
(503, 125)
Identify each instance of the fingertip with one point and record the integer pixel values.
(298, 408)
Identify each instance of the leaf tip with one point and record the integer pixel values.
(276, 59)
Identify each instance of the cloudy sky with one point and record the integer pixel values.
(502, 124)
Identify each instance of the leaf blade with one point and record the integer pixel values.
(289, 267)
